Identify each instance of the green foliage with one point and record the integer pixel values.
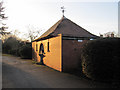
(16, 47)
(3, 27)
(11, 45)
(26, 51)
(101, 59)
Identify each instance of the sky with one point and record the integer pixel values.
(96, 16)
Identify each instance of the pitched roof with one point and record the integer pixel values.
(67, 28)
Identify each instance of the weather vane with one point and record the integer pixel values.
(63, 10)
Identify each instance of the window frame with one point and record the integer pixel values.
(48, 46)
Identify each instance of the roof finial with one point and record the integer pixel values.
(63, 10)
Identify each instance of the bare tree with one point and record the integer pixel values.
(111, 34)
(15, 32)
(32, 32)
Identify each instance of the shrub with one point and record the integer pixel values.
(101, 60)
(26, 51)
(10, 45)
(16, 47)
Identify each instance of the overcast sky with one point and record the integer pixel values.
(96, 17)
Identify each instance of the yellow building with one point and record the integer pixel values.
(59, 47)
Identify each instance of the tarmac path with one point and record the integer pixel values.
(22, 73)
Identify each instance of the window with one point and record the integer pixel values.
(91, 39)
(48, 49)
(80, 40)
(36, 47)
(41, 50)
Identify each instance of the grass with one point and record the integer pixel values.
(33, 62)
(6, 54)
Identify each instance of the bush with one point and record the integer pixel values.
(26, 51)
(11, 45)
(101, 60)
(16, 47)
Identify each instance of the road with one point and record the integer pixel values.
(22, 73)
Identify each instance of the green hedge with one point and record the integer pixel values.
(26, 51)
(14, 46)
(11, 45)
(101, 59)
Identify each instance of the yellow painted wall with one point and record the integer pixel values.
(53, 58)
(34, 56)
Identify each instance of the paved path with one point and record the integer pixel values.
(21, 73)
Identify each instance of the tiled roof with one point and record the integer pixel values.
(67, 28)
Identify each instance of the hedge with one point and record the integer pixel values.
(15, 46)
(101, 59)
(11, 45)
(26, 51)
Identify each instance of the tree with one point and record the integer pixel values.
(32, 33)
(2, 17)
(109, 34)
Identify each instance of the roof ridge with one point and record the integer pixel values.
(72, 29)
(59, 23)
(82, 27)
(49, 30)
